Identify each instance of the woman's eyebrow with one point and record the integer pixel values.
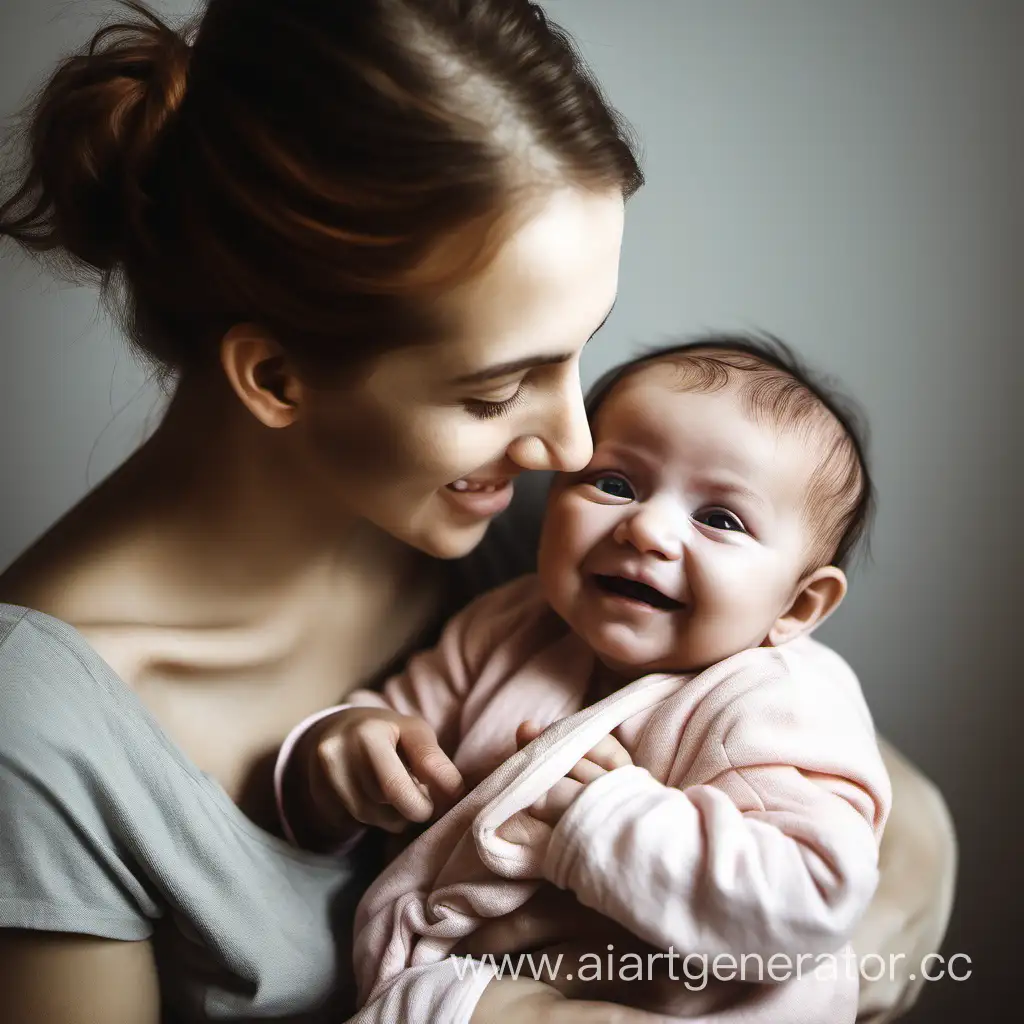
(503, 369)
(528, 363)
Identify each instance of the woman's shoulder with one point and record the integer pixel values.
(53, 683)
(67, 723)
(46, 681)
(106, 828)
(63, 858)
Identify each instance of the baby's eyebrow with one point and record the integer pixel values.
(735, 490)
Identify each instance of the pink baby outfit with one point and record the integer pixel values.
(748, 824)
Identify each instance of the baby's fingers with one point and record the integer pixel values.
(382, 816)
(430, 764)
(351, 783)
(526, 733)
(397, 787)
(609, 753)
(556, 801)
(585, 771)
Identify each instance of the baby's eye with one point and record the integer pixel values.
(616, 486)
(719, 519)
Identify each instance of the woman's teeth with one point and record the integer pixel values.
(474, 488)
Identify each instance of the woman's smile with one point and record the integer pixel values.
(480, 498)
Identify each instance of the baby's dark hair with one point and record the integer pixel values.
(778, 387)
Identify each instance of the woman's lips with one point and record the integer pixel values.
(480, 498)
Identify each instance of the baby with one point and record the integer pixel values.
(738, 810)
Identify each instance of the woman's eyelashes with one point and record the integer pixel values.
(485, 409)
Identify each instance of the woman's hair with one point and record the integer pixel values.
(776, 387)
(293, 163)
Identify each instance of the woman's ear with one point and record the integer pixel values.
(260, 374)
(817, 596)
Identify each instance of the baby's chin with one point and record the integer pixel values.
(632, 650)
(631, 659)
(630, 656)
(628, 671)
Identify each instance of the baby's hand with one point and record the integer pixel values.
(386, 768)
(607, 755)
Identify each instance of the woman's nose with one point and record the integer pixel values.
(563, 442)
(653, 529)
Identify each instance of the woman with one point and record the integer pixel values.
(368, 240)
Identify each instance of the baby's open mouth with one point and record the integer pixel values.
(636, 591)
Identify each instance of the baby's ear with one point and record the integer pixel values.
(817, 596)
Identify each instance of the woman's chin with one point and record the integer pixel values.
(450, 542)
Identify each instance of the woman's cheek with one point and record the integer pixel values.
(471, 445)
(439, 445)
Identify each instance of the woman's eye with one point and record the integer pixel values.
(616, 486)
(720, 519)
(487, 410)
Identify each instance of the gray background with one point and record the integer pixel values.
(846, 174)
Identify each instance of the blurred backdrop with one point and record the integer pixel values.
(844, 173)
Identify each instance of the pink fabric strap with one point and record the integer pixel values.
(281, 766)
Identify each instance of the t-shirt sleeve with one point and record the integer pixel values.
(65, 857)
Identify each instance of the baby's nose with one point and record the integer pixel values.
(653, 530)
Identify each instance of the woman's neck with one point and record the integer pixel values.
(206, 523)
(234, 506)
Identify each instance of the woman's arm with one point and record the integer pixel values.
(53, 978)
(507, 1001)
(908, 916)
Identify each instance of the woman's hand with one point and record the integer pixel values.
(604, 757)
(507, 1001)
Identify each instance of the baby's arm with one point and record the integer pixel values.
(776, 853)
(383, 759)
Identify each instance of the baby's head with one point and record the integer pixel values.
(726, 495)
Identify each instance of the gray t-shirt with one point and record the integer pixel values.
(108, 829)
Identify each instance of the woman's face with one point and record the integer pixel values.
(429, 443)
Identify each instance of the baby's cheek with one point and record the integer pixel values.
(727, 626)
(565, 534)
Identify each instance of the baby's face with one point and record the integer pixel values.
(684, 539)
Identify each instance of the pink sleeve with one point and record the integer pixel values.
(435, 683)
(434, 686)
(778, 853)
(281, 766)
